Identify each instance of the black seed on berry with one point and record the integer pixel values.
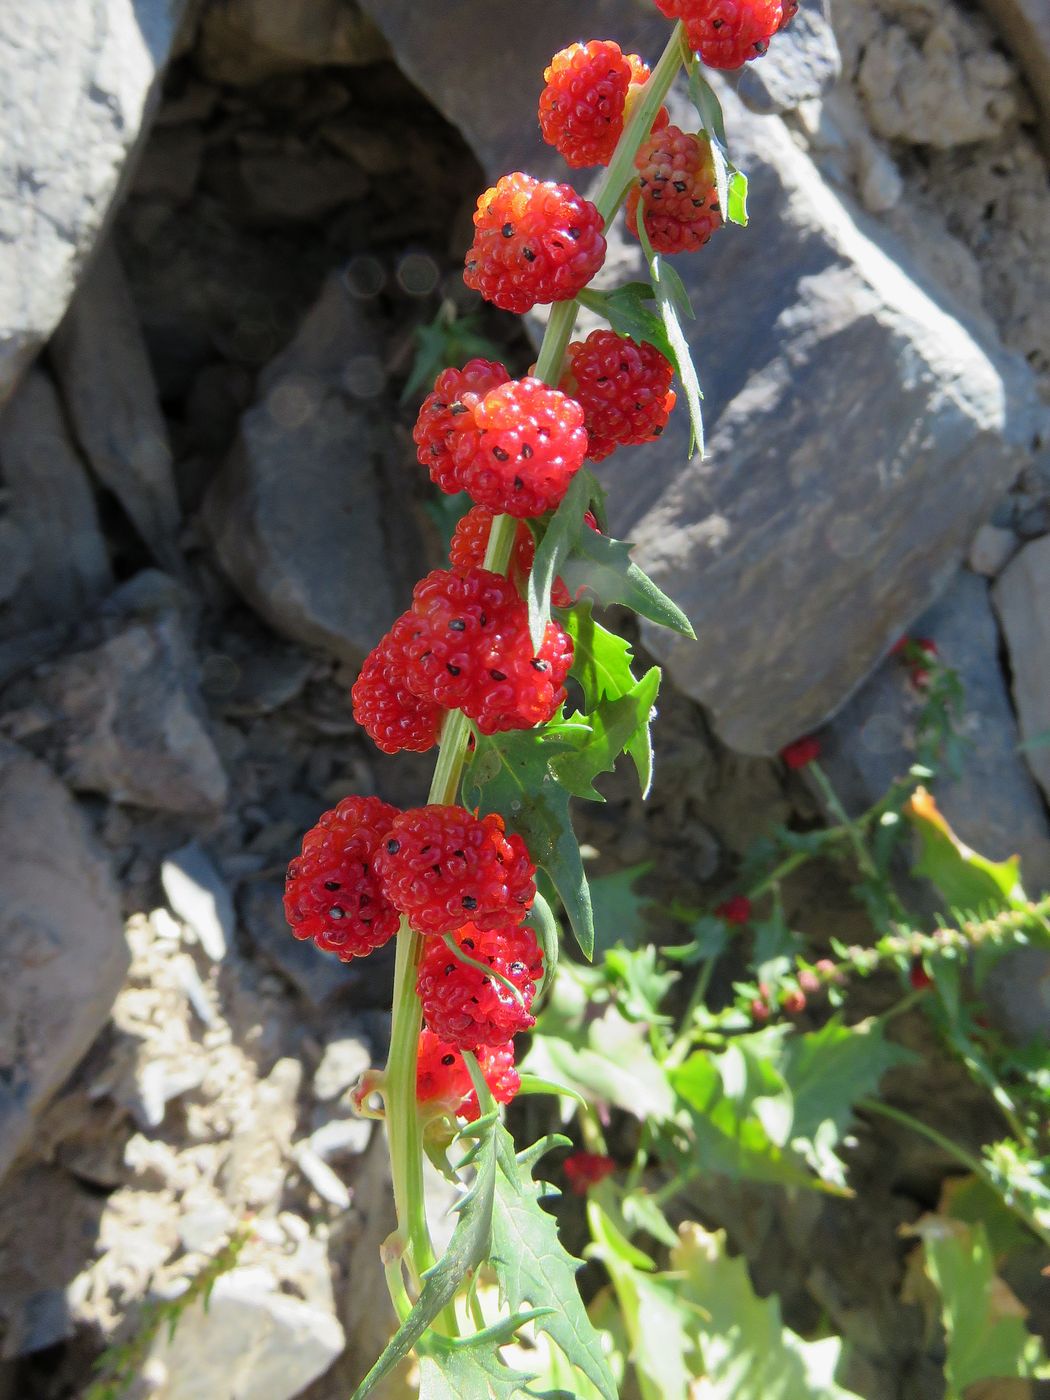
(526, 451)
(458, 408)
(497, 675)
(574, 233)
(457, 625)
(717, 23)
(483, 620)
(507, 230)
(448, 1059)
(469, 902)
(336, 912)
(517, 968)
(393, 846)
(528, 255)
(469, 943)
(452, 670)
(538, 665)
(680, 186)
(500, 454)
(518, 484)
(331, 884)
(451, 968)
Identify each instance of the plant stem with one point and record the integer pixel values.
(964, 1158)
(402, 1114)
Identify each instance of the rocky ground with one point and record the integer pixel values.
(210, 510)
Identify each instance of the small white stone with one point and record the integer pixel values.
(321, 1177)
(991, 550)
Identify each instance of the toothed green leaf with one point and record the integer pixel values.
(605, 566)
(602, 667)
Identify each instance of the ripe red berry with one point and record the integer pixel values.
(443, 1080)
(332, 893)
(586, 1169)
(790, 8)
(801, 752)
(445, 409)
(677, 190)
(623, 388)
(393, 717)
(727, 33)
(441, 866)
(736, 910)
(463, 1005)
(534, 241)
(794, 1003)
(524, 444)
(808, 981)
(582, 107)
(470, 649)
(759, 1011)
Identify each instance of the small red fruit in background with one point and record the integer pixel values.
(801, 752)
(736, 910)
(919, 978)
(586, 1169)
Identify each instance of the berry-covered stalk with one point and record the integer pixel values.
(478, 665)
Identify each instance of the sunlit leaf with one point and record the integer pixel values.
(605, 566)
(966, 880)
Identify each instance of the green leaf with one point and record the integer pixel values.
(608, 1058)
(736, 210)
(747, 1352)
(658, 1321)
(514, 774)
(967, 881)
(672, 300)
(619, 918)
(533, 1084)
(468, 1370)
(559, 537)
(614, 726)
(548, 936)
(827, 1072)
(605, 566)
(704, 99)
(602, 667)
(627, 313)
(641, 1212)
(643, 983)
(468, 1247)
(531, 1265)
(986, 1337)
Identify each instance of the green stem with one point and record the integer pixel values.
(402, 1114)
(684, 1040)
(964, 1158)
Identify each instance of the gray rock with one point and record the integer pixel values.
(802, 63)
(341, 1137)
(1022, 599)
(103, 369)
(296, 514)
(246, 41)
(251, 1341)
(992, 803)
(858, 430)
(344, 1061)
(200, 897)
(61, 563)
(62, 934)
(128, 721)
(991, 550)
(319, 977)
(1025, 25)
(81, 79)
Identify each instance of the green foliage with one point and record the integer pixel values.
(730, 182)
(468, 1247)
(967, 881)
(983, 1323)
(746, 1351)
(471, 1368)
(449, 339)
(603, 667)
(619, 911)
(673, 303)
(627, 312)
(532, 1266)
(605, 567)
(557, 538)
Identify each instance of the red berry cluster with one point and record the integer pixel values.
(729, 33)
(460, 881)
(582, 108)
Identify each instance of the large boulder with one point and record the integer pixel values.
(62, 934)
(1022, 600)
(859, 427)
(80, 80)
